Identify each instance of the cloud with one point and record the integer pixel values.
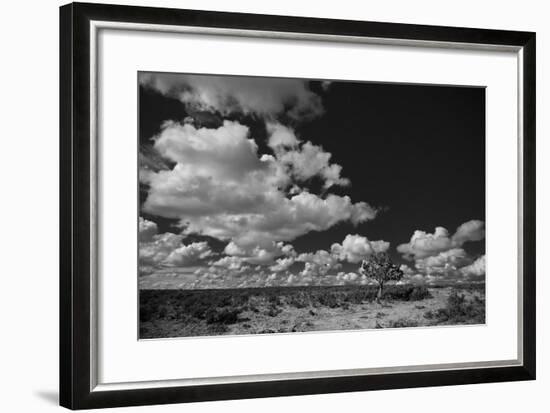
(188, 254)
(230, 263)
(325, 85)
(349, 277)
(321, 263)
(356, 248)
(473, 230)
(280, 136)
(168, 277)
(282, 264)
(318, 263)
(477, 268)
(440, 256)
(158, 250)
(445, 263)
(309, 161)
(209, 174)
(303, 160)
(268, 98)
(257, 255)
(147, 229)
(150, 159)
(222, 188)
(452, 265)
(214, 152)
(406, 269)
(411, 275)
(423, 244)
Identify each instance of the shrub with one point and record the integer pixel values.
(218, 328)
(461, 311)
(274, 300)
(403, 322)
(273, 311)
(163, 312)
(299, 300)
(419, 292)
(267, 331)
(144, 314)
(328, 299)
(398, 292)
(407, 292)
(222, 316)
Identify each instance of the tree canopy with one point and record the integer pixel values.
(380, 268)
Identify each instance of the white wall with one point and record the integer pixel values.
(29, 207)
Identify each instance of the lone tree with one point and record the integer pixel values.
(380, 267)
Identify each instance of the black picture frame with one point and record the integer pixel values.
(75, 219)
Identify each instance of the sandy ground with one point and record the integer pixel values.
(287, 318)
(356, 317)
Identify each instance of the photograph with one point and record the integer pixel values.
(289, 205)
(285, 202)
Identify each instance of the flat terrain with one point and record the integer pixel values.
(186, 313)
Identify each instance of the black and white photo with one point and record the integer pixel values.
(261, 205)
(279, 205)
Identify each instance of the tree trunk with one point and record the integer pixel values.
(380, 291)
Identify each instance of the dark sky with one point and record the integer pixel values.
(417, 152)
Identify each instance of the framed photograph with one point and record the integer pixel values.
(258, 206)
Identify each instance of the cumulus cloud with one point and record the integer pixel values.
(222, 188)
(268, 98)
(411, 275)
(280, 136)
(406, 270)
(477, 268)
(322, 263)
(211, 176)
(167, 249)
(318, 263)
(214, 152)
(356, 248)
(423, 244)
(282, 264)
(303, 160)
(230, 263)
(309, 161)
(259, 255)
(228, 268)
(155, 251)
(349, 277)
(325, 85)
(188, 254)
(444, 263)
(147, 229)
(473, 230)
(440, 256)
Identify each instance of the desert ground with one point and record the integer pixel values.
(187, 313)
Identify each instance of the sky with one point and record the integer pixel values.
(256, 182)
